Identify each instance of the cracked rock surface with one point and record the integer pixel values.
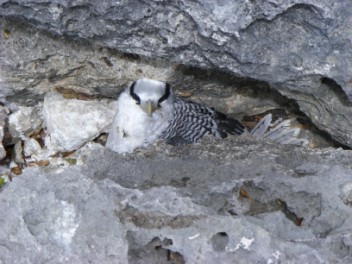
(162, 204)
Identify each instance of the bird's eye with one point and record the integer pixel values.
(134, 95)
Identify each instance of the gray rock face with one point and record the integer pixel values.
(301, 48)
(163, 204)
(2, 124)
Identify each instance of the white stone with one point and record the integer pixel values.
(346, 193)
(70, 123)
(31, 147)
(24, 121)
(65, 224)
(2, 124)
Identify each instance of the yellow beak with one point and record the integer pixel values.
(148, 107)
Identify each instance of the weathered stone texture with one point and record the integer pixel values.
(203, 203)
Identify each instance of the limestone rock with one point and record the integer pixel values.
(346, 193)
(31, 147)
(71, 122)
(42, 223)
(24, 121)
(203, 203)
(3, 116)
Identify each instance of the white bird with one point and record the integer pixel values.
(148, 110)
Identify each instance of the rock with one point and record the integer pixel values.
(36, 63)
(181, 204)
(17, 155)
(346, 193)
(24, 121)
(3, 116)
(31, 147)
(50, 218)
(298, 47)
(71, 123)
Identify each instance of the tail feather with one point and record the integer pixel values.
(282, 133)
(259, 130)
(280, 130)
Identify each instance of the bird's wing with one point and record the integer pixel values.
(190, 123)
(228, 125)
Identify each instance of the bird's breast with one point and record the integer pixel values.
(140, 127)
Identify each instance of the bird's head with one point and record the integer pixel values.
(151, 95)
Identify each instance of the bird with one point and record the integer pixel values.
(148, 110)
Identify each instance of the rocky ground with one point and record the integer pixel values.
(64, 198)
(237, 200)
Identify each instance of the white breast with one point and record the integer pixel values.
(132, 128)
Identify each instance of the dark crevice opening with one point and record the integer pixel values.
(337, 90)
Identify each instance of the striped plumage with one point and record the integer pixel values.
(192, 121)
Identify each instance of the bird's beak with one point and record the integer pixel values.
(148, 107)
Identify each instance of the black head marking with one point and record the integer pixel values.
(133, 95)
(166, 94)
